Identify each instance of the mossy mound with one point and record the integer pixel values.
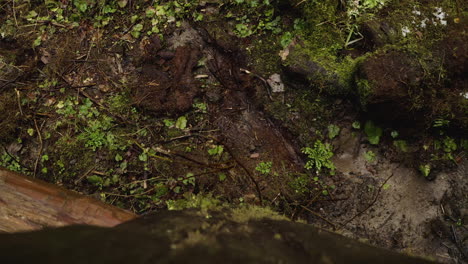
(402, 61)
(188, 236)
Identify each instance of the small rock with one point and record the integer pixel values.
(275, 83)
(255, 155)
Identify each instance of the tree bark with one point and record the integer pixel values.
(29, 204)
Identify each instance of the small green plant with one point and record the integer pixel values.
(264, 167)
(439, 123)
(95, 180)
(425, 169)
(373, 132)
(201, 107)
(333, 131)
(11, 162)
(300, 184)
(168, 122)
(222, 177)
(181, 122)
(216, 150)
(319, 157)
(370, 156)
(136, 30)
(401, 145)
(448, 145)
(356, 125)
(189, 179)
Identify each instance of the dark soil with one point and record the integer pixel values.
(139, 123)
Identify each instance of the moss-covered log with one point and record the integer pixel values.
(245, 235)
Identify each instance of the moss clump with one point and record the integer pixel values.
(247, 213)
(69, 159)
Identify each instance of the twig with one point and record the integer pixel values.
(371, 204)
(85, 174)
(257, 187)
(51, 22)
(150, 154)
(265, 83)
(180, 179)
(128, 195)
(14, 12)
(85, 94)
(296, 5)
(308, 204)
(319, 216)
(8, 83)
(19, 101)
(457, 242)
(39, 155)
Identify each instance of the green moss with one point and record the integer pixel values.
(264, 56)
(204, 202)
(364, 89)
(247, 213)
(68, 159)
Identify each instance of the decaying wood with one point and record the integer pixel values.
(30, 204)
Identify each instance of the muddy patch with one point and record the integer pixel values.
(393, 206)
(171, 90)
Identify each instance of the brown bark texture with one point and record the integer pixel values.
(29, 204)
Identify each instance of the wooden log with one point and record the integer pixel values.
(30, 204)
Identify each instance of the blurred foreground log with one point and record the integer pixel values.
(243, 235)
(30, 204)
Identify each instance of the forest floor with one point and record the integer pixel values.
(167, 106)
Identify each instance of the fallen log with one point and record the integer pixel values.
(29, 204)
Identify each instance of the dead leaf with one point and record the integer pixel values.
(46, 57)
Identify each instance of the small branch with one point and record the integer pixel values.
(128, 195)
(8, 83)
(371, 204)
(18, 96)
(39, 155)
(85, 174)
(296, 5)
(151, 154)
(257, 187)
(319, 216)
(14, 12)
(265, 83)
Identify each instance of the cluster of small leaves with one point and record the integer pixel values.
(93, 128)
(255, 17)
(373, 132)
(319, 157)
(200, 201)
(11, 162)
(300, 184)
(370, 156)
(333, 131)
(355, 9)
(264, 167)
